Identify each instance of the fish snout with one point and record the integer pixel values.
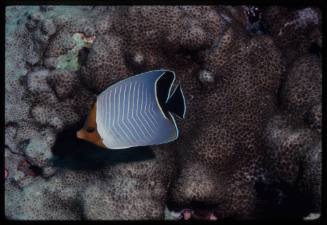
(80, 134)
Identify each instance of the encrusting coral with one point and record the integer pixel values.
(241, 97)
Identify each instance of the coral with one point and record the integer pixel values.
(37, 150)
(301, 91)
(315, 117)
(293, 30)
(289, 144)
(64, 82)
(20, 172)
(37, 81)
(55, 199)
(125, 192)
(104, 71)
(251, 114)
(48, 27)
(293, 157)
(42, 95)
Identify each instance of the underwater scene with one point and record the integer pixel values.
(162, 112)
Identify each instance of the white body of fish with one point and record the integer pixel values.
(129, 114)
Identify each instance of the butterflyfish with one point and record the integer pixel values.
(137, 111)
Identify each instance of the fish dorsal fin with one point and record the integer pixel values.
(163, 88)
(176, 103)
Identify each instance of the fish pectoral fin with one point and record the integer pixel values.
(176, 103)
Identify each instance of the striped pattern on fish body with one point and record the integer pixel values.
(129, 113)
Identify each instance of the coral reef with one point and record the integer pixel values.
(295, 31)
(253, 111)
(293, 157)
(301, 93)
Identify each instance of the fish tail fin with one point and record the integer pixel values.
(176, 103)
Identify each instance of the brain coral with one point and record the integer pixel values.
(238, 132)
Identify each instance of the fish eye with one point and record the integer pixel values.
(90, 129)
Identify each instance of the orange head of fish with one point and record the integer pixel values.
(89, 131)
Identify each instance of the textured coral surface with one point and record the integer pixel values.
(249, 146)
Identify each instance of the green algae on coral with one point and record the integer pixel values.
(70, 61)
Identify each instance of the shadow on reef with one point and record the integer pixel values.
(77, 154)
(279, 200)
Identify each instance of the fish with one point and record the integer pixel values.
(137, 111)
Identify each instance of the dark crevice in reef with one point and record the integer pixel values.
(191, 54)
(36, 170)
(281, 200)
(73, 153)
(82, 56)
(256, 24)
(23, 80)
(24, 143)
(11, 150)
(200, 210)
(315, 49)
(195, 205)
